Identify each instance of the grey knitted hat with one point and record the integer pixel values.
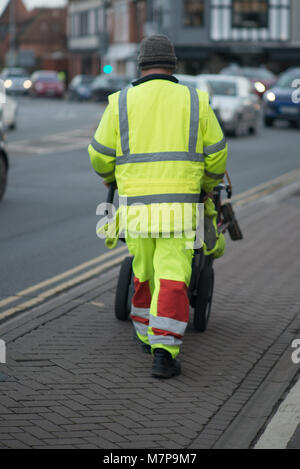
(157, 51)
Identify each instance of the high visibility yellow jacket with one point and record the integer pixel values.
(160, 141)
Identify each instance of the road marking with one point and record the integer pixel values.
(284, 423)
(96, 303)
(63, 141)
(61, 287)
(266, 188)
(61, 276)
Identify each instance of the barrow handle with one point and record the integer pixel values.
(111, 192)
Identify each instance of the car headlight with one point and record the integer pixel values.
(271, 96)
(8, 83)
(27, 84)
(260, 87)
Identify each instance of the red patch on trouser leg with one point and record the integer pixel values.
(173, 301)
(142, 294)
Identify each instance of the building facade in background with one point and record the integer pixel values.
(34, 39)
(102, 32)
(210, 33)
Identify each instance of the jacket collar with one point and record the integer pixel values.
(155, 76)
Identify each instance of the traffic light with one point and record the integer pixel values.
(107, 69)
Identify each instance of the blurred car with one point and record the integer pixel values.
(279, 100)
(194, 80)
(16, 80)
(260, 77)
(80, 87)
(237, 105)
(3, 162)
(46, 83)
(9, 111)
(201, 84)
(104, 85)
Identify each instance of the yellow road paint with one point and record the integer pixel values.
(96, 303)
(62, 276)
(61, 287)
(266, 187)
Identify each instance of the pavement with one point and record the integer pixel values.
(74, 377)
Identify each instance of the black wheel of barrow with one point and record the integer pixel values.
(204, 299)
(124, 291)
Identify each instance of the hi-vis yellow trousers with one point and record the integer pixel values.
(160, 306)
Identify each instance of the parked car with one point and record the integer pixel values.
(9, 111)
(46, 83)
(194, 80)
(16, 80)
(237, 105)
(3, 163)
(104, 85)
(282, 100)
(80, 87)
(261, 78)
(201, 84)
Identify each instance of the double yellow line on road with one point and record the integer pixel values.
(266, 188)
(113, 258)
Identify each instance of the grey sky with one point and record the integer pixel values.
(44, 3)
(35, 3)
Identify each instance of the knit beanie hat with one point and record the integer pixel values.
(157, 51)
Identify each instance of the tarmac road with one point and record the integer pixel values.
(48, 215)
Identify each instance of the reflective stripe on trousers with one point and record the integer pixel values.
(140, 309)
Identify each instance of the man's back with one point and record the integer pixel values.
(159, 116)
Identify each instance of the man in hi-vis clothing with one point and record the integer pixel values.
(162, 143)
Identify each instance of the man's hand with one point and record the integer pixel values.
(208, 195)
(108, 184)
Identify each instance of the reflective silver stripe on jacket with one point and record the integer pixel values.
(209, 150)
(168, 324)
(214, 175)
(194, 120)
(163, 340)
(161, 156)
(140, 327)
(102, 148)
(160, 198)
(140, 312)
(123, 120)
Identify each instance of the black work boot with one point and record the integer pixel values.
(164, 366)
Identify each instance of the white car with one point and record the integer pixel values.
(8, 113)
(200, 83)
(235, 102)
(194, 80)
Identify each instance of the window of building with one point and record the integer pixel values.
(193, 12)
(83, 21)
(250, 13)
